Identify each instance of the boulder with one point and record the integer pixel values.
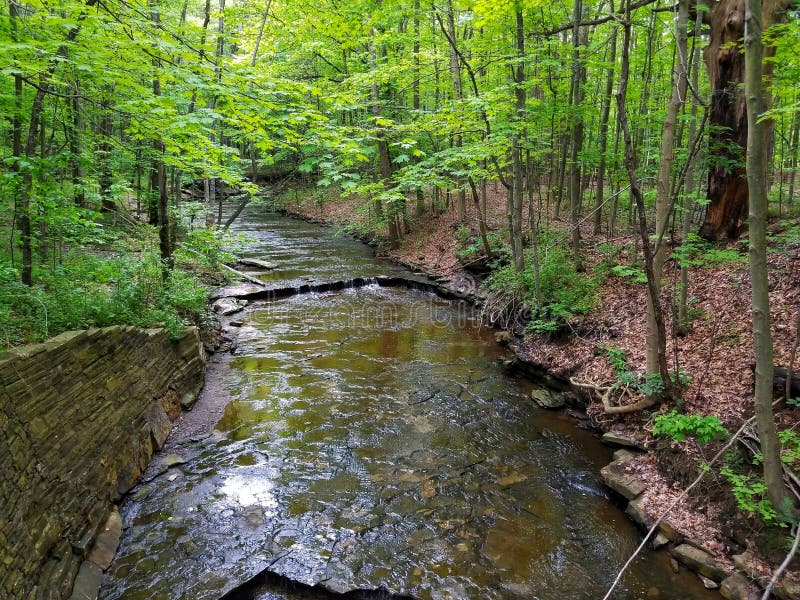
(618, 439)
(628, 485)
(107, 541)
(786, 589)
(87, 583)
(699, 561)
(548, 399)
(228, 306)
(738, 587)
(637, 514)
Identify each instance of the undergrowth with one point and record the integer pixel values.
(566, 292)
(89, 287)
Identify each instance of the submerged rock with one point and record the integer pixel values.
(548, 399)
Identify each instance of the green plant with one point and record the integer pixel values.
(636, 275)
(679, 427)
(750, 493)
(625, 377)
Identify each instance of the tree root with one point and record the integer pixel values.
(604, 394)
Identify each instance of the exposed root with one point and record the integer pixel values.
(604, 394)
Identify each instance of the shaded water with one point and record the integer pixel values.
(371, 440)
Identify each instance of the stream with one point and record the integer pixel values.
(367, 443)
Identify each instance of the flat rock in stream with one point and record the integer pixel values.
(228, 306)
(618, 479)
(261, 264)
(699, 561)
(232, 291)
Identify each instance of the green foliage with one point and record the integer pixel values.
(207, 248)
(679, 427)
(627, 378)
(636, 275)
(97, 290)
(566, 292)
(696, 251)
(750, 493)
(471, 246)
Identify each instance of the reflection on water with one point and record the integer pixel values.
(371, 440)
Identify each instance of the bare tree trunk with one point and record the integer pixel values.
(727, 182)
(104, 156)
(384, 163)
(636, 192)
(604, 115)
(516, 193)
(160, 177)
(578, 77)
(757, 195)
(458, 92)
(691, 178)
(663, 184)
(415, 103)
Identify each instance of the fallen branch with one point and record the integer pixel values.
(231, 269)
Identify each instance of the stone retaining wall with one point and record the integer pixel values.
(80, 417)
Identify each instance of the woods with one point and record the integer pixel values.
(564, 144)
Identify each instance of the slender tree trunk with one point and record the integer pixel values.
(757, 193)
(691, 179)
(253, 59)
(458, 93)
(104, 157)
(604, 115)
(663, 184)
(76, 172)
(636, 192)
(160, 178)
(516, 193)
(16, 135)
(384, 163)
(415, 101)
(578, 77)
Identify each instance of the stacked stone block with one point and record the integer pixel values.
(80, 417)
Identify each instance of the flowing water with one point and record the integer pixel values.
(369, 439)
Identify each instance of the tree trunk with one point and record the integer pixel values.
(104, 157)
(160, 179)
(604, 115)
(727, 181)
(384, 163)
(636, 192)
(578, 77)
(691, 178)
(458, 93)
(757, 192)
(663, 184)
(516, 193)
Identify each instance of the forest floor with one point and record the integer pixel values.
(716, 354)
